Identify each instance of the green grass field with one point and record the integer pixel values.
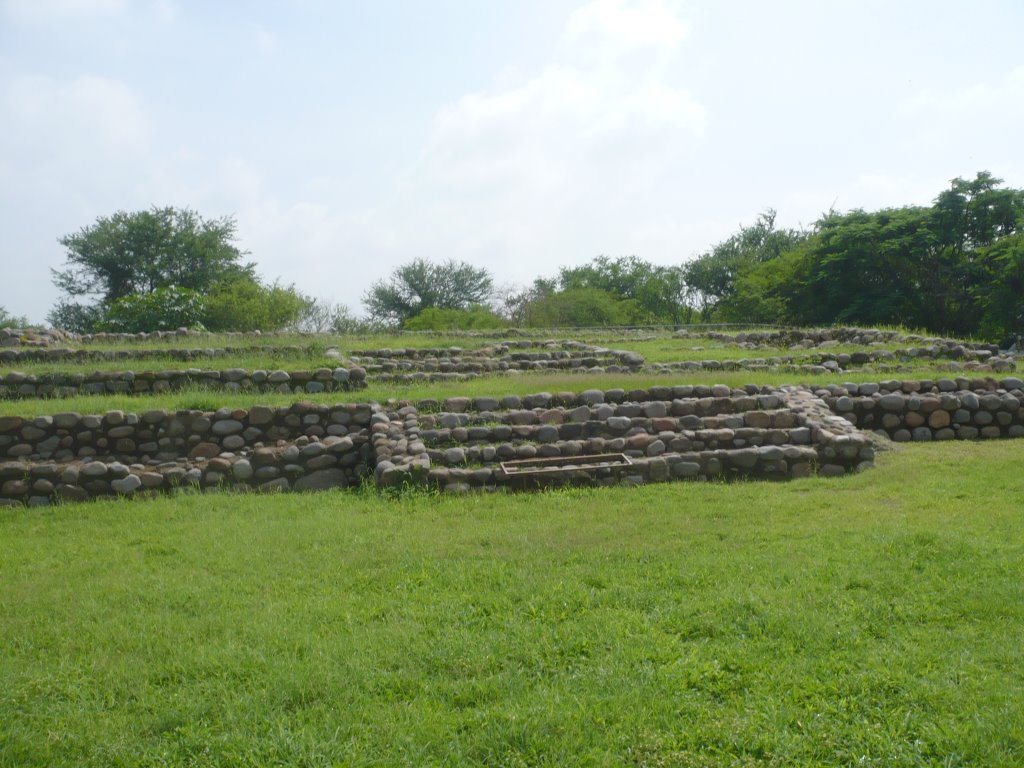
(872, 620)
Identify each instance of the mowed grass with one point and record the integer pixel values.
(869, 620)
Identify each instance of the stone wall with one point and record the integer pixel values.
(667, 433)
(877, 360)
(17, 385)
(826, 337)
(71, 456)
(649, 435)
(945, 409)
(67, 354)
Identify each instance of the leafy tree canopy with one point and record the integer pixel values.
(656, 291)
(954, 267)
(165, 268)
(421, 284)
(580, 308)
(710, 279)
(139, 252)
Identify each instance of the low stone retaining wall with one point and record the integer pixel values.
(30, 337)
(521, 356)
(666, 432)
(657, 434)
(972, 360)
(818, 337)
(16, 385)
(66, 354)
(70, 456)
(947, 409)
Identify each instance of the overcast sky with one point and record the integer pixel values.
(520, 135)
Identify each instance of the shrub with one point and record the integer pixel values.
(247, 305)
(436, 319)
(160, 310)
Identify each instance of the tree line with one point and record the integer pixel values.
(955, 267)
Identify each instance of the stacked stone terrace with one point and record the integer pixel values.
(923, 410)
(592, 437)
(74, 457)
(957, 359)
(455, 363)
(808, 338)
(17, 385)
(648, 435)
(53, 354)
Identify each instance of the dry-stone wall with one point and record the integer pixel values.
(877, 360)
(455, 363)
(71, 456)
(944, 409)
(30, 337)
(22, 385)
(595, 437)
(665, 433)
(69, 355)
(826, 337)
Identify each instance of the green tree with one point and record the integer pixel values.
(580, 308)
(139, 252)
(863, 269)
(421, 284)
(1002, 297)
(135, 253)
(656, 291)
(953, 267)
(711, 278)
(165, 268)
(160, 310)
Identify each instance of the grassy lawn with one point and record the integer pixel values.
(871, 620)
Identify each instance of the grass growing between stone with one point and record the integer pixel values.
(200, 398)
(870, 620)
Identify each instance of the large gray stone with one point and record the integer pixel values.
(321, 479)
(242, 469)
(892, 402)
(456, 455)
(227, 427)
(127, 484)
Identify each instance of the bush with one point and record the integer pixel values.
(161, 310)
(247, 305)
(580, 307)
(76, 318)
(7, 320)
(436, 319)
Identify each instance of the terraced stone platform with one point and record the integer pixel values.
(594, 437)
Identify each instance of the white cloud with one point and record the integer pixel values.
(577, 160)
(82, 116)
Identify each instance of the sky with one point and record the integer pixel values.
(348, 137)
